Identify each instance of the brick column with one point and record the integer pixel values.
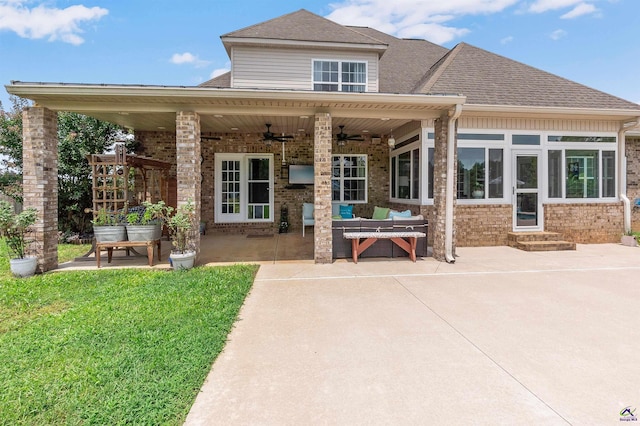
(323, 249)
(437, 226)
(40, 181)
(188, 164)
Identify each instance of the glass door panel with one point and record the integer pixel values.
(258, 189)
(526, 201)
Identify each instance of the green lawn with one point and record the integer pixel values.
(114, 346)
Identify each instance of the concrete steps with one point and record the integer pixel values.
(539, 241)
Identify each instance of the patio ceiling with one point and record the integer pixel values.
(231, 111)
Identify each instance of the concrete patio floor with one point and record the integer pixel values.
(499, 337)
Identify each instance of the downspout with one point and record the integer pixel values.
(622, 170)
(450, 187)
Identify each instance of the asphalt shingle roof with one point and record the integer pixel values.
(489, 79)
(418, 66)
(303, 26)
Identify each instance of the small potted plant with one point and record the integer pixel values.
(14, 228)
(107, 227)
(146, 225)
(628, 239)
(182, 227)
(478, 191)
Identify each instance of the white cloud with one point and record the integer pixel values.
(429, 19)
(42, 21)
(557, 34)
(579, 10)
(218, 72)
(540, 6)
(187, 58)
(506, 40)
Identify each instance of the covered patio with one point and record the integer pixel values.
(185, 119)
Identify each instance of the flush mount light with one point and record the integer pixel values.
(385, 119)
(234, 128)
(364, 131)
(218, 115)
(123, 113)
(304, 116)
(161, 128)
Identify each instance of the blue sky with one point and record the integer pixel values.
(593, 42)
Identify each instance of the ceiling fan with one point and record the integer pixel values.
(269, 137)
(343, 137)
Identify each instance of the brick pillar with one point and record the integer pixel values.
(439, 187)
(188, 164)
(40, 181)
(323, 249)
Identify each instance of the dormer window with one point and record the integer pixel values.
(339, 76)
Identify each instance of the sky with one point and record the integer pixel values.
(177, 43)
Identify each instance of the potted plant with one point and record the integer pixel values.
(14, 228)
(107, 227)
(182, 227)
(478, 191)
(146, 225)
(628, 239)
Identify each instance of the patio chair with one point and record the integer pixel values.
(307, 216)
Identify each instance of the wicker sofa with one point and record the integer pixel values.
(382, 248)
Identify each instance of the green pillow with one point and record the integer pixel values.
(380, 213)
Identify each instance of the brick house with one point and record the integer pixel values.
(482, 145)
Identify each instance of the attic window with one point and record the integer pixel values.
(338, 76)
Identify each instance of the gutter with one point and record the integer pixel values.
(450, 187)
(622, 170)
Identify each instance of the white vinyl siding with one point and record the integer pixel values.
(262, 68)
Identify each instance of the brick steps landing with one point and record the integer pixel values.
(538, 241)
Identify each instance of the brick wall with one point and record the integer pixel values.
(586, 223)
(162, 146)
(633, 178)
(483, 225)
(40, 181)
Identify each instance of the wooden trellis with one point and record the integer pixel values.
(118, 176)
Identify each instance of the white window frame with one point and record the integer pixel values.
(393, 155)
(342, 178)
(242, 215)
(580, 146)
(340, 83)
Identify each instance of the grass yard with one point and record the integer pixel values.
(112, 347)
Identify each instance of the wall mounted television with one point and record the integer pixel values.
(300, 174)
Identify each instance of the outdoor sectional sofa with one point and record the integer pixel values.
(382, 248)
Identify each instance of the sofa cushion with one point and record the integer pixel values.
(346, 212)
(393, 214)
(380, 213)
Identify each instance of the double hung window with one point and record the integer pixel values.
(339, 76)
(349, 178)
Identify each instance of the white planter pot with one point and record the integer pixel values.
(182, 261)
(23, 267)
(144, 232)
(629, 240)
(107, 234)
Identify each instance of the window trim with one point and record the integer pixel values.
(340, 83)
(417, 145)
(341, 179)
(241, 217)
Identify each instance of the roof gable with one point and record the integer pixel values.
(486, 78)
(302, 26)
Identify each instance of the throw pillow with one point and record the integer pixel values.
(346, 211)
(380, 213)
(393, 213)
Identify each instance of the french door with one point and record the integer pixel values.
(527, 200)
(243, 188)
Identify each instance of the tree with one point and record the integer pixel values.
(78, 136)
(11, 148)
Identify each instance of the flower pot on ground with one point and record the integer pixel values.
(107, 227)
(146, 224)
(629, 240)
(182, 228)
(14, 229)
